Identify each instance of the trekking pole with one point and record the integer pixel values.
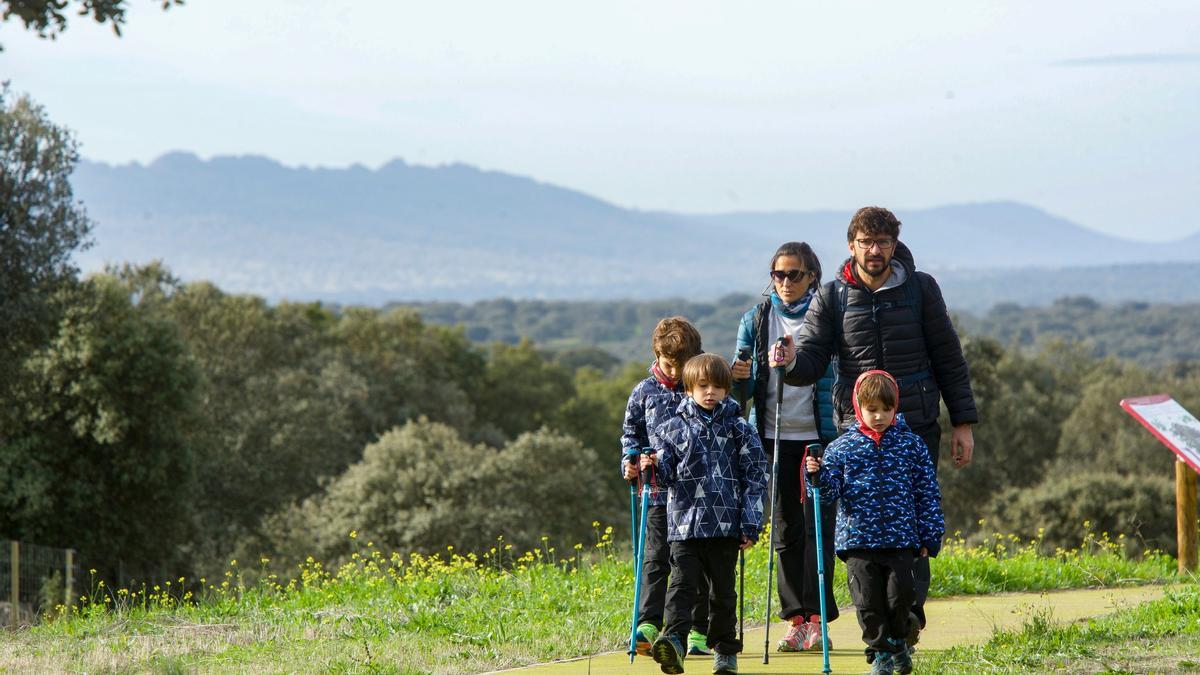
(814, 449)
(639, 558)
(771, 514)
(743, 355)
(631, 456)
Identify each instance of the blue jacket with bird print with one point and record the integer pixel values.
(886, 487)
(715, 470)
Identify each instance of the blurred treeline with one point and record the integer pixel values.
(1153, 335)
(163, 428)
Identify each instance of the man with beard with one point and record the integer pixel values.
(880, 313)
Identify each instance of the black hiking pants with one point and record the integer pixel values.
(691, 561)
(882, 588)
(794, 535)
(932, 435)
(655, 569)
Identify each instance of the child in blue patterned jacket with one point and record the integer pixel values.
(890, 511)
(713, 464)
(652, 402)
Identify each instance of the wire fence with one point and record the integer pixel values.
(35, 580)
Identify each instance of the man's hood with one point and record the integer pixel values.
(862, 424)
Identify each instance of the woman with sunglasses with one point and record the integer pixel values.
(806, 417)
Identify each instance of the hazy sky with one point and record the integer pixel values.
(1090, 110)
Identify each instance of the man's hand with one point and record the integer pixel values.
(783, 355)
(741, 370)
(962, 445)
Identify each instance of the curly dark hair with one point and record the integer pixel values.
(676, 338)
(873, 221)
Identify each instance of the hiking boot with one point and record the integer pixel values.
(647, 633)
(813, 639)
(698, 644)
(914, 630)
(796, 636)
(882, 665)
(668, 654)
(725, 664)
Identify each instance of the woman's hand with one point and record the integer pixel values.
(741, 369)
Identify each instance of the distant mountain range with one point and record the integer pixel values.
(414, 233)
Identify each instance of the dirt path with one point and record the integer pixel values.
(952, 621)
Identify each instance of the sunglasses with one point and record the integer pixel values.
(790, 275)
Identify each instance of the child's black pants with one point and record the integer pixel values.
(691, 561)
(656, 567)
(882, 588)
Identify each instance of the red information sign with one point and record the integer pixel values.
(1177, 428)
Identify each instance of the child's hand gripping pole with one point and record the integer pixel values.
(814, 451)
(777, 350)
(639, 544)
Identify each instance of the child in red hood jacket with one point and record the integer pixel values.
(889, 512)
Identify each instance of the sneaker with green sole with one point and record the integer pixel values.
(647, 633)
(668, 654)
(698, 644)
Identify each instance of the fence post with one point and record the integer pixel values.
(70, 579)
(14, 571)
(1185, 516)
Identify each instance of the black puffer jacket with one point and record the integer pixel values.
(910, 337)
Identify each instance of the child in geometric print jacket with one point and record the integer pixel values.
(713, 465)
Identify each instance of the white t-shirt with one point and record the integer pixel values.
(799, 424)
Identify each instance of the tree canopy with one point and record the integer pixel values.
(48, 18)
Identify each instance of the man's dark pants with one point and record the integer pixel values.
(881, 586)
(932, 435)
(795, 537)
(655, 569)
(691, 561)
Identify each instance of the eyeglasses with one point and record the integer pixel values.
(868, 244)
(790, 275)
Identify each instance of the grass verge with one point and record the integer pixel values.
(1160, 636)
(459, 614)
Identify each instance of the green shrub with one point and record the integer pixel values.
(1137, 508)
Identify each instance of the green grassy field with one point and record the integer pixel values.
(384, 612)
(1155, 637)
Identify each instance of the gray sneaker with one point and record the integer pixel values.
(725, 664)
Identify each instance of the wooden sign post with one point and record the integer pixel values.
(1179, 430)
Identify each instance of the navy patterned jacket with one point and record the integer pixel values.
(887, 490)
(650, 405)
(715, 469)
